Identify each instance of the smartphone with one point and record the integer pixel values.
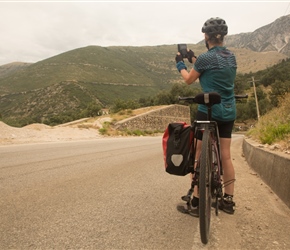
(182, 49)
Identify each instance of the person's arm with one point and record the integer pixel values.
(190, 77)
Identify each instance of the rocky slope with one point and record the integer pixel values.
(272, 37)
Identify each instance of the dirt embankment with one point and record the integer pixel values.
(43, 133)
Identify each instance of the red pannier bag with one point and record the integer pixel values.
(177, 143)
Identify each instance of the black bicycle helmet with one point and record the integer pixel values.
(214, 26)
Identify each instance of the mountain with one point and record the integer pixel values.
(67, 83)
(70, 81)
(272, 37)
(122, 66)
(11, 68)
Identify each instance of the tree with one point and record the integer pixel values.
(279, 89)
(182, 90)
(120, 104)
(260, 93)
(251, 109)
(92, 109)
(163, 98)
(240, 85)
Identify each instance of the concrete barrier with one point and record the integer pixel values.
(272, 167)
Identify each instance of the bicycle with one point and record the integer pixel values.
(207, 175)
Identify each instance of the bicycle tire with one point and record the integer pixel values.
(216, 182)
(205, 186)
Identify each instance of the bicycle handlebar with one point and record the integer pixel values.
(188, 99)
(207, 98)
(241, 96)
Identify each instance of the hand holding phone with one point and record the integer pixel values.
(190, 55)
(185, 53)
(182, 49)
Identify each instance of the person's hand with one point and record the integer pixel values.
(179, 62)
(190, 55)
(178, 58)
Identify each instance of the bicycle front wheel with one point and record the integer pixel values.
(205, 187)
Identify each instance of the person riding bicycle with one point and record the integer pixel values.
(216, 71)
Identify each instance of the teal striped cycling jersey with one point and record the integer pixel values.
(218, 72)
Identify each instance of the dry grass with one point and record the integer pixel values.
(251, 61)
(124, 114)
(274, 127)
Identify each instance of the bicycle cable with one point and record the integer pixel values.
(229, 182)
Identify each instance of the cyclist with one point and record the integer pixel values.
(216, 71)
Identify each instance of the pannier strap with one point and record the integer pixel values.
(177, 131)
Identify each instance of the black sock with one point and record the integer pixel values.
(195, 201)
(227, 195)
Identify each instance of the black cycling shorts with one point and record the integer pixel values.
(225, 128)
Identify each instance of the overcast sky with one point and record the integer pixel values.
(32, 31)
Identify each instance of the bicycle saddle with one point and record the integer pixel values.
(209, 99)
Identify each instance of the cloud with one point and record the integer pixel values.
(33, 31)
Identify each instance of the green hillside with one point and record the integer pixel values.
(67, 83)
(142, 66)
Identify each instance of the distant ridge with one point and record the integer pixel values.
(10, 68)
(272, 37)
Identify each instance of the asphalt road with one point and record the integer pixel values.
(113, 193)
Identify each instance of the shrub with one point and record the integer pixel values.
(274, 133)
(274, 126)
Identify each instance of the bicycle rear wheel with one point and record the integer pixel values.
(205, 187)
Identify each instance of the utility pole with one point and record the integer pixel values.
(257, 105)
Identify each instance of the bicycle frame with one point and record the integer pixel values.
(209, 99)
(216, 156)
(208, 170)
(216, 161)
